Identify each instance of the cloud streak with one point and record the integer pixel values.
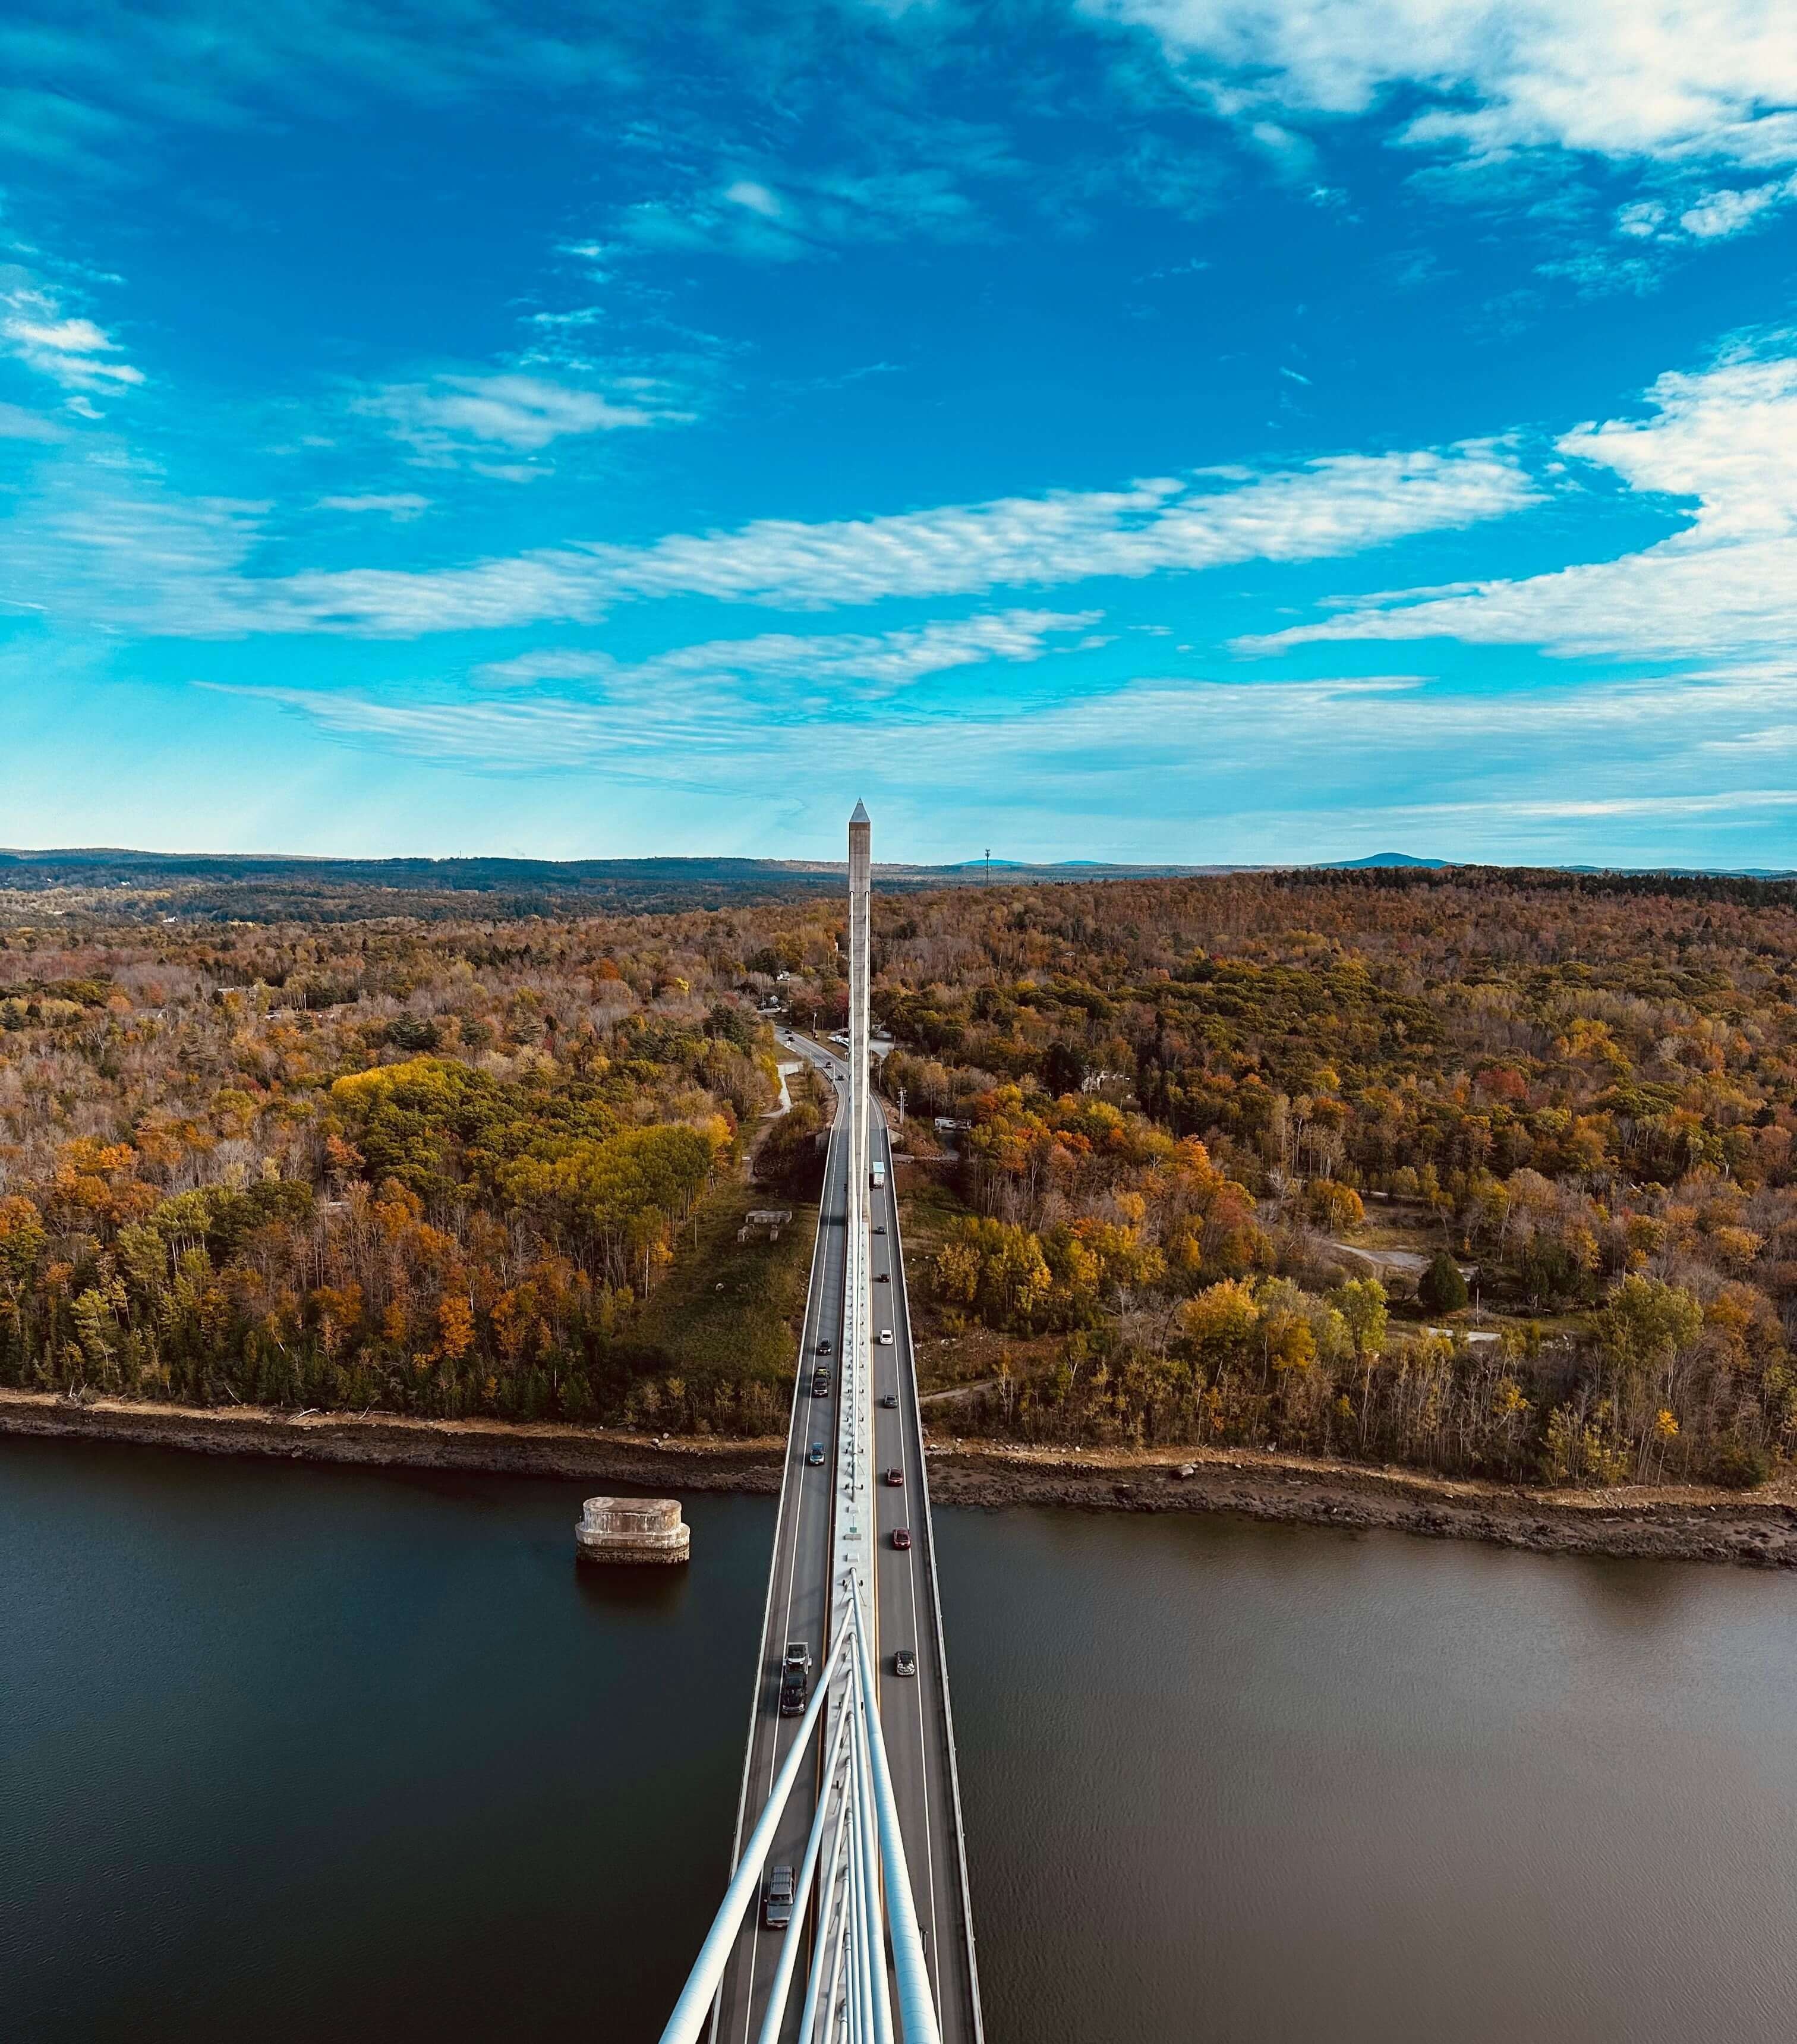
(1724, 587)
(865, 664)
(1339, 504)
(74, 352)
(442, 419)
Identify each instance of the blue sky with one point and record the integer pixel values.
(1172, 429)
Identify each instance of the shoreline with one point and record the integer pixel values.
(1683, 1523)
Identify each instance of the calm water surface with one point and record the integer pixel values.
(290, 1753)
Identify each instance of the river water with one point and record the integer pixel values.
(296, 1753)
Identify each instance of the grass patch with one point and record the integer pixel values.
(727, 1308)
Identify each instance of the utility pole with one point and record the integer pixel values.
(901, 1106)
(988, 865)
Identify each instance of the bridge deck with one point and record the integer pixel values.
(797, 1600)
(914, 1711)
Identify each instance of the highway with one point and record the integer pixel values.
(914, 1710)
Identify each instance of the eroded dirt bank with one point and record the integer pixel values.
(1758, 1528)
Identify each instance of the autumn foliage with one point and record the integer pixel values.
(350, 1148)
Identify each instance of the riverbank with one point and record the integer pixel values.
(489, 1446)
(1758, 1528)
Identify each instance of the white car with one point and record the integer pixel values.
(885, 1338)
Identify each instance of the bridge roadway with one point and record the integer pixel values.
(914, 1711)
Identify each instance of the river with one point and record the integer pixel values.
(291, 1752)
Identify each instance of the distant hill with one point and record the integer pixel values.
(274, 888)
(277, 887)
(1385, 859)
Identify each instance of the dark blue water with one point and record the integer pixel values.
(289, 1752)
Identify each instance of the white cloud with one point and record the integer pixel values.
(724, 708)
(1672, 80)
(400, 505)
(1641, 220)
(757, 198)
(1720, 214)
(1338, 504)
(524, 413)
(1709, 215)
(74, 352)
(1723, 587)
(862, 664)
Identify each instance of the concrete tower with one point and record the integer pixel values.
(861, 874)
(855, 1518)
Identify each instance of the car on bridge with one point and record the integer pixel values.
(889, 1401)
(901, 1538)
(797, 1654)
(894, 1479)
(904, 1661)
(778, 1912)
(795, 1691)
(883, 1277)
(814, 1454)
(820, 1384)
(823, 1345)
(879, 1227)
(885, 1338)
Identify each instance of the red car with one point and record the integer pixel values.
(895, 1478)
(901, 1538)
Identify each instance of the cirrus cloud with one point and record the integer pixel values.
(863, 663)
(1337, 504)
(74, 352)
(1723, 587)
(444, 416)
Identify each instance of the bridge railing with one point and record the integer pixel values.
(865, 1916)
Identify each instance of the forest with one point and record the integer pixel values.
(440, 1168)
(1482, 1171)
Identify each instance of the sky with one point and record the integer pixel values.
(1174, 430)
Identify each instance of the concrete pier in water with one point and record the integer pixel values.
(633, 1529)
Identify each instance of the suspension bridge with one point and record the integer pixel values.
(847, 1916)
